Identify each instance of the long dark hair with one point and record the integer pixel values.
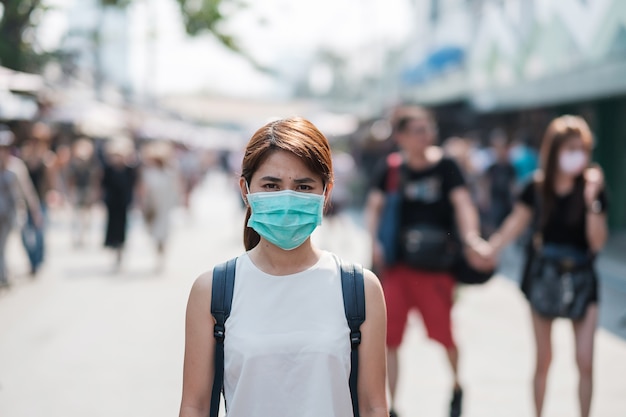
(559, 131)
(296, 135)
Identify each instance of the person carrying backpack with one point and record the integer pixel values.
(288, 348)
(417, 203)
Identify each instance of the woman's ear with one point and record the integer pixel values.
(243, 188)
(327, 193)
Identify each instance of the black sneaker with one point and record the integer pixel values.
(392, 413)
(455, 404)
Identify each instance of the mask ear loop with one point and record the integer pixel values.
(326, 199)
(245, 198)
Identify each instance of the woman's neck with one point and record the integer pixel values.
(563, 183)
(275, 261)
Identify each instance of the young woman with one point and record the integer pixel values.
(433, 195)
(287, 351)
(566, 200)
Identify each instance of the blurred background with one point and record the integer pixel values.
(174, 88)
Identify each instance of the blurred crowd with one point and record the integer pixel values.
(122, 172)
(39, 172)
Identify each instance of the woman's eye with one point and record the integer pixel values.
(270, 186)
(304, 187)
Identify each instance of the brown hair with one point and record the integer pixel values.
(402, 116)
(559, 131)
(296, 135)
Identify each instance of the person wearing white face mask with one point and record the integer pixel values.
(286, 350)
(566, 205)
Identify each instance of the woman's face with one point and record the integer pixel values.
(573, 157)
(417, 136)
(283, 170)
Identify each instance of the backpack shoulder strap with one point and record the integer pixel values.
(221, 301)
(353, 288)
(394, 163)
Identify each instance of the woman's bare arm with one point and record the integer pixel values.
(597, 230)
(372, 380)
(512, 227)
(199, 351)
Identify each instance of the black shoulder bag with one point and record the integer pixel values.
(559, 279)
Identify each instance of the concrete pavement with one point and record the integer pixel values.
(80, 340)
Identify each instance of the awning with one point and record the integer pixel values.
(20, 82)
(588, 83)
(92, 118)
(436, 63)
(17, 106)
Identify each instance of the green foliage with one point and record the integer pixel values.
(206, 16)
(15, 45)
(19, 17)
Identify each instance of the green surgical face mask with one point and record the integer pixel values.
(285, 218)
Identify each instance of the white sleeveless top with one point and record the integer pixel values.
(287, 345)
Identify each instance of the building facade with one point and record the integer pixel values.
(518, 63)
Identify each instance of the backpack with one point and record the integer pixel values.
(353, 290)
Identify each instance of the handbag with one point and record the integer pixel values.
(562, 282)
(429, 247)
(560, 279)
(421, 246)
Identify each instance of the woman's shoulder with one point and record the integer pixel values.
(203, 284)
(371, 281)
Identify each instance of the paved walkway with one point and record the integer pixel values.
(80, 340)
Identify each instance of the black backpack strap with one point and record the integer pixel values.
(353, 288)
(221, 301)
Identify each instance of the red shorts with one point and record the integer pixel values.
(431, 293)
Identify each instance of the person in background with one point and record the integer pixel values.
(191, 169)
(523, 158)
(159, 193)
(9, 200)
(40, 161)
(17, 166)
(433, 193)
(15, 188)
(568, 201)
(499, 180)
(118, 187)
(287, 350)
(83, 177)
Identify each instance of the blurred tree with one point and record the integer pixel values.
(18, 18)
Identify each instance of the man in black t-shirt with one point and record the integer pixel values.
(431, 191)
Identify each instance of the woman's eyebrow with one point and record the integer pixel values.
(305, 180)
(271, 179)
